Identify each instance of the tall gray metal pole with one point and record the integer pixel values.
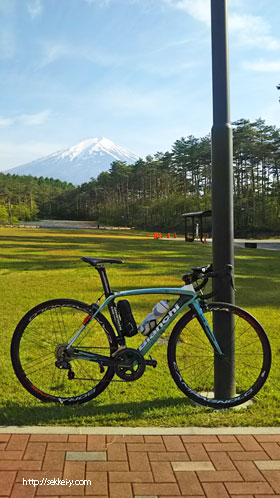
(222, 196)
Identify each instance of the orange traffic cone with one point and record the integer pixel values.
(175, 235)
(168, 235)
(155, 235)
(159, 235)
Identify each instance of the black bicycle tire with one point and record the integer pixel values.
(15, 345)
(214, 403)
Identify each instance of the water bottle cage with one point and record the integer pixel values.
(129, 327)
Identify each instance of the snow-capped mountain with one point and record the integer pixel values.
(79, 163)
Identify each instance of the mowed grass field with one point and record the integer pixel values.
(38, 265)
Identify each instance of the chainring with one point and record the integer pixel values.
(134, 364)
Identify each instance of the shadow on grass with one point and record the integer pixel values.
(255, 269)
(24, 253)
(36, 263)
(127, 412)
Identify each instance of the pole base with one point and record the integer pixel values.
(244, 406)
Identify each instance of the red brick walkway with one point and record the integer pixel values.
(212, 466)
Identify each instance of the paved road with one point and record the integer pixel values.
(271, 244)
(138, 465)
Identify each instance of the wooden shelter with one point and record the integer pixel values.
(197, 228)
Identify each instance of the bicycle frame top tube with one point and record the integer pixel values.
(152, 290)
(187, 297)
(185, 291)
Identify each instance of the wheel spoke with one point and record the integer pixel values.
(196, 364)
(193, 365)
(247, 345)
(37, 360)
(41, 367)
(44, 339)
(39, 345)
(209, 371)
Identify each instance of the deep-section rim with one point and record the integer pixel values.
(15, 344)
(213, 403)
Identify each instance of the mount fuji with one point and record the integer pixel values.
(79, 163)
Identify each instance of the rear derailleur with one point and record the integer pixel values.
(64, 365)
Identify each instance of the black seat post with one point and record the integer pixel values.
(104, 279)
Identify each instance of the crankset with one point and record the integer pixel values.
(130, 364)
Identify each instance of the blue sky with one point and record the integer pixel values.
(135, 71)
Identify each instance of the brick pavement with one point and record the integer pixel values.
(140, 466)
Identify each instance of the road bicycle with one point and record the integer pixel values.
(67, 351)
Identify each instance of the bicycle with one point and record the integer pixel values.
(54, 340)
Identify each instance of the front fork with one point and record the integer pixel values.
(198, 311)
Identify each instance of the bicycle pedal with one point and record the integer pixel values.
(102, 369)
(151, 362)
(71, 375)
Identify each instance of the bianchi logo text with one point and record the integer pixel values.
(170, 313)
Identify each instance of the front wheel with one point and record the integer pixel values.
(191, 357)
(39, 342)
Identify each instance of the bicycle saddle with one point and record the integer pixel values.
(98, 261)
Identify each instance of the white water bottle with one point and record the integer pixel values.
(151, 319)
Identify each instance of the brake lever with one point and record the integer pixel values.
(232, 283)
(229, 273)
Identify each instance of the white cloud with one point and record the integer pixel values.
(99, 3)
(34, 119)
(34, 8)
(236, 3)
(150, 62)
(122, 101)
(5, 122)
(262, 65)
(253, 31)
(125, 101)
(13, 154)
(271, 112)
(25, 119)
(198, 9)
(248, 30)
(146, 5)
(52, 51)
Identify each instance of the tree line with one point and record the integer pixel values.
(154, 192)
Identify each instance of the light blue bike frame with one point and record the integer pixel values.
(162, 325)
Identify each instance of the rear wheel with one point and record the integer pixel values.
(39, 343)
(191, 357)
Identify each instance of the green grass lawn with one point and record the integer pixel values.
(37, 265)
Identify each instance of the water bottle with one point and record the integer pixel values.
(151, 319)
